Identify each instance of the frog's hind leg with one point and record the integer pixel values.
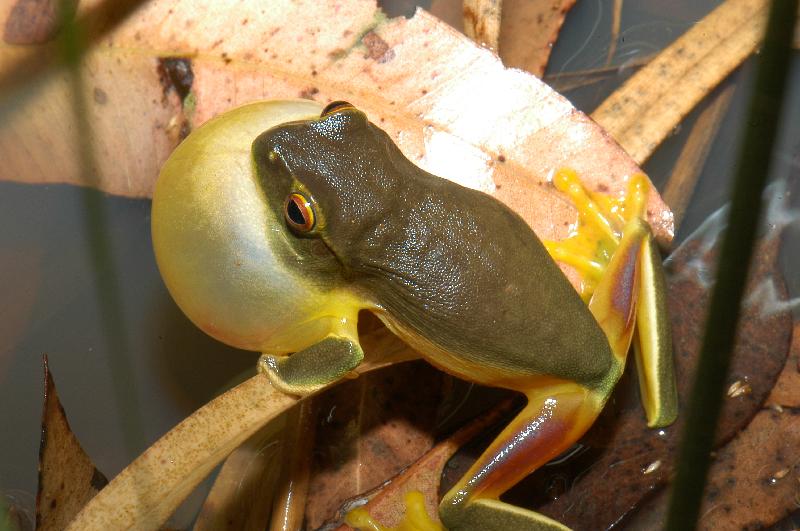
(555, 417)
(557, 413)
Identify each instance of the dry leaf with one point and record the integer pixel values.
(418, 79)
(646, 109)
(67, 477)
(528, 31)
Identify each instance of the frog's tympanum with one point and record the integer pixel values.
(275, 224)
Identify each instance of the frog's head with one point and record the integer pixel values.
(225, 249)
(334, 178)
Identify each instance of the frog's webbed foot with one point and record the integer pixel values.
(611, 240)
(312, 368)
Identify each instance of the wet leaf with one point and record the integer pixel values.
(689, 164)
(67, 477)
(633, 460)
(416, 78)
(786, 392)
(386, 504)
(647, 108)
(753, 481)
(239, 498)
(369, 430)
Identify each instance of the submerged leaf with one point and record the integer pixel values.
(369, 430)
(239, 499)
(641, 459)
(752, 482)
(786, 392)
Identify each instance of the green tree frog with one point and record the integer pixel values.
(276, 223)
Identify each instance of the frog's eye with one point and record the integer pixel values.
(299, 212)
(335, 107)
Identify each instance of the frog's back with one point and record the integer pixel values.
(465, 279)
(455, 272)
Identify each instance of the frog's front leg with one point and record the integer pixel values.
(322, 363)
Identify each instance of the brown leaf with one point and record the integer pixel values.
(528, 31)
(753, 481)
(149, 489)
(635, 460)
(67, 477)
(482, 21)
(686, 170)
(30, 21)
(244, 486)
(370, 429)
(387, 505)
(416, 78)
(786, 392)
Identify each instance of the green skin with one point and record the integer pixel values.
(443, 264)
(452, 271)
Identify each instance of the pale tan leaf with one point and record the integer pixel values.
(144, 494)
(646, 109)
(67, 477)
(450, 105)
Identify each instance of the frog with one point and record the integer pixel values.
(275, 224)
